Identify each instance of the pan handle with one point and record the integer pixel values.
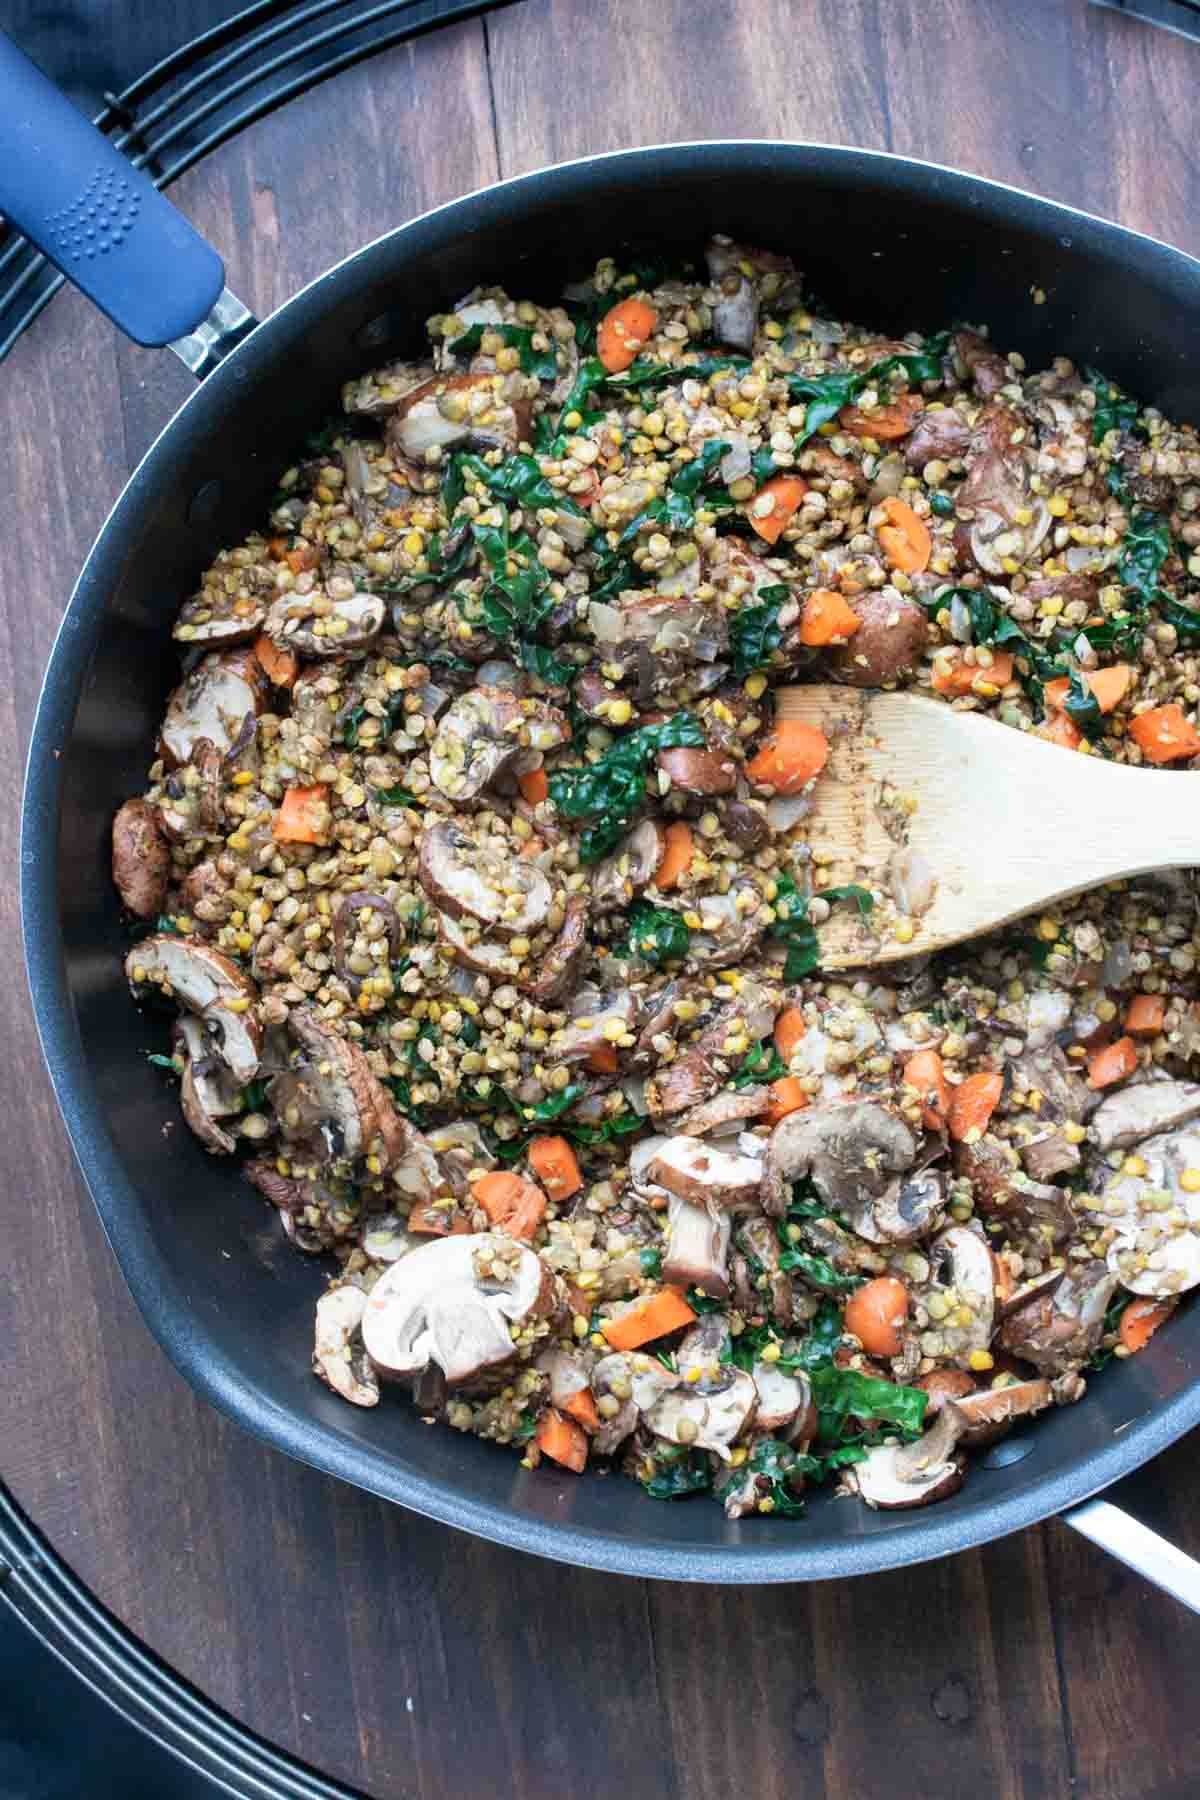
(106, 226)
(1136, 1545)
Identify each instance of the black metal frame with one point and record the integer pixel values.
(207, 91)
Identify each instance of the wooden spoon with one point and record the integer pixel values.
(1004, 822)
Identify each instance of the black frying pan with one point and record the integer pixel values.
(899, 243)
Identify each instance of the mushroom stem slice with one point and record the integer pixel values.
(700, 1173)
(706, 1421)
(209, 985)
(699, 1251)
(141, 858)
(464, 877)
(877, 1480)
(339, 1316)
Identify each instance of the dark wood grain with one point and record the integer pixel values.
(402, 1658)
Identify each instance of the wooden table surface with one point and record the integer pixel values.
(390, 1652)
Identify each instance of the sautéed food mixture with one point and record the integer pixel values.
(472, 869)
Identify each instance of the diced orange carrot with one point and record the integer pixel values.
(886, 422)
(303, 816)
(1140, 1320)
(790, 757)
(280, 666)
(1163, 735)
(562, 1440)
(676, 856)
(1145, 1014)
(1003, 1278)
(926, 1073)
(1113, 1063)
(603, 1060)
(300, 557)
(905, 539)
(973, 1102)
(533, 846)
(649, 1318)
(959, 677)
(875, 1313)
(437, 1221)
(787, 1095)
(1058, 729)
(786, 492)
(534, 787)
(827, 617)
(623, 330)
(1055, 692)
(516, 1205)
(553, 1162)
(277, 548)
(789, 1029)
(1110, 686)
(582, 1406)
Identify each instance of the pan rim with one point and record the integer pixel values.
(159, 1299)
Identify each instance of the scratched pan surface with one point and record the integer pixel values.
(220, 1289)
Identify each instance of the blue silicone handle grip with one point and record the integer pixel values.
(93, 214)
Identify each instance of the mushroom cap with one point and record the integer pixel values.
(851, 1150)
(647, 1378)
(484, 955)
(451, 1303)
(341, 1099)
(890, 640)
(465, 877)
(697, 1171)
(699, 771)
(205, 982)
(961, 1260)
(208, 1091)
(214, 617)
(631, 867)
(483, 732)
(711, 1419)
(213, 701)
(699, 1249)
(346, 624)
(724, 1109)
(1062, 1324)
(141, 858)
(585, 1031)
(1146, 1110)
(560, 963)
(982, 1413)
(728, 931)
(339, 1316)
(780, 1396)
(878, 1481)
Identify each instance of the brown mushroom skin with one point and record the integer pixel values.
(890, 641)
(561, 962)
(699, 771)
(141, 858)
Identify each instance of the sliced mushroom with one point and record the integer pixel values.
(596, 1020)
(700, 1069)
(383, 390)
(703, 1352)
(699, 1249)
(452, 1303)
(205, 893)
(890, 641)
(483, 733)
(940, 435)
(962, 1266)
(1156, 1215)
(567, 1371)
(1152, 1107)
(207, 1090)
(879, 1482)
(216, 617)
(635, 1383)
(209, 985)
(781, 1397)
(475, 952)
(452, 410)
(385, 1238)
(560, 964)
(1058, 1328)
(710, 1420)
(988, 1415)
(141, 858)
(852, 1151)
(735, 310)
(341, 1364)
(346, 924)
(730, 926)
(631, 867)
(724, 1109)
(459, 1148)
(706, 1176)
(213, 702)
(338, 1102)
(699, 771)
(316, 624)
(464, 876)
(1049, 1155)
(1065, 1093)
(1033, 1209)
(640, 1158)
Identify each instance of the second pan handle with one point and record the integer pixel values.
(105, 224)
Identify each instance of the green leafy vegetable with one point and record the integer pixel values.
(526, 1426)
(648, 376)
(1083, 708)
(556, 1104)
(1144, 550)
(650, 1262)
(656, 934)
(862, 898)
(541, 363)
(544, 664)
(1102, 1356)
(395, 796)
(760, 1064)
(826, 395)
(780, 1466)
(755, 632)
(1114, 411)
(678, 1473)
(254, 1096)
(942, 505)
(845, 1394)
(163, 1062)
(816, 1350)
(615, 785)
(818, 1271)
(619, 1126)
(795, 929)
(167, 924)
(700, 1302)
(518, 481)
